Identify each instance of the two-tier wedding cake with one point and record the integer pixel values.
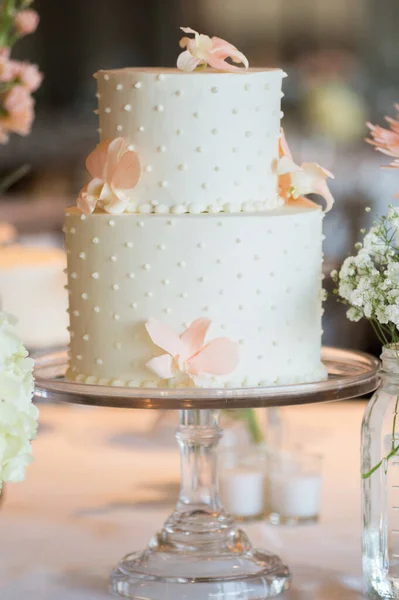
(193, 256)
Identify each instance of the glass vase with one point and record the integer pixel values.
(380, 483)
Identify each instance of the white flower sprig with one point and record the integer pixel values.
(369, 281)
(18, 415)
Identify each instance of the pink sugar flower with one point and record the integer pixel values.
(188, 354)
(386, 140)
(19, 107)
(26, 21)
(114, 169)
(203, 50)
(295, 181)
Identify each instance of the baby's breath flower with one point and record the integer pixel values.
(369, 281)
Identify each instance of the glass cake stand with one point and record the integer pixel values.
(200, 554)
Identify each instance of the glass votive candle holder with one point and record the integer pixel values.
(242, 482)
(294, 487)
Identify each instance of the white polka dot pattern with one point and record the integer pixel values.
(192, 131)
(258, 277)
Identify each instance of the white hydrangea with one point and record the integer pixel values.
(18, 416)
(369, 281)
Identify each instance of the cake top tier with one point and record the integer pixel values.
(206, 140)
(202, 138)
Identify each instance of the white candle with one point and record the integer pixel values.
(242, 491)
(295, 495)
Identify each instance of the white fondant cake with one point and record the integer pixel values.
(257, 277)
(207, 140)
(32, 282)
(208, 145)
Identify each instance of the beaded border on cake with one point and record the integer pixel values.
(319, 374)
(196, 209)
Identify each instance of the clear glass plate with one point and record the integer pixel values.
(350, 374)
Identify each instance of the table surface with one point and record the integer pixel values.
(104, 480)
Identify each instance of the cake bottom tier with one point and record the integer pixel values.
(257, 277)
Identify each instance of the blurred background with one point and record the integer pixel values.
(341, 57)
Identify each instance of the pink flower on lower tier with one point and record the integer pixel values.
(188, 354)
(115, 170)
(299, 180)
(386, 140)
(26, 21)
(18, 105)
(203, 50)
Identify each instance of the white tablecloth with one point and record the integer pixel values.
(101, 485)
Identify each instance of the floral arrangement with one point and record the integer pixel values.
(187, 355)
(18, 80)
(368, 282)
(202, 50)
(114, 169)
(18, 416)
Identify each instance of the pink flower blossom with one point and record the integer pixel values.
(295, 181)
(20, 114)
(188, 354)
(386, 140)
(203, 50)
(7, 69)
(29, 76)
(26, 21)
(114, 169)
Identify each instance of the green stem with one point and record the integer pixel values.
(394, 422)
(248, 417)
(254, 428)
(13, 177)
(393, 452)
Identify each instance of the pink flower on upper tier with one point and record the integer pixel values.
(295, 181)
(114, 169)
(26, 21)
(203, 50)
(19, 107)
(188, 354)
(386, 140)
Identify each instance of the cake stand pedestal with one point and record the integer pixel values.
(200, 554)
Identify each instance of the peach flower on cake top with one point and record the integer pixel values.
(203, 50)
(299, 180)
(386, 140)
(115, 169)
(26, 21)
(188, 354)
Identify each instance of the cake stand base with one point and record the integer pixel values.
(242, 573)
(200, 554)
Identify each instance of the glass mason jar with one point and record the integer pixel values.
(380, 482)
